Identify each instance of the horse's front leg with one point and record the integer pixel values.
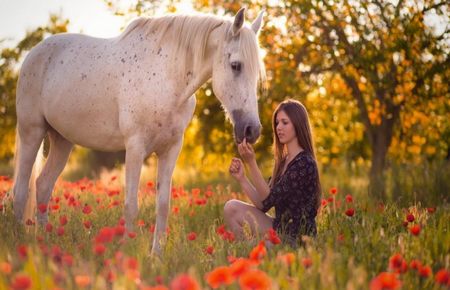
(166, 164)
(134, 157)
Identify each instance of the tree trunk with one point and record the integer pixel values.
(381, 140)
(377, 179)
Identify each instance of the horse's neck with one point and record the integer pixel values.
(204, 72)
(194, 78)
(185, 75)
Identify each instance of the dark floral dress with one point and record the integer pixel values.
(295, 197)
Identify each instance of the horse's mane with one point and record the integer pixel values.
(191, 32)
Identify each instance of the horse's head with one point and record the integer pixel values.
(235, 72)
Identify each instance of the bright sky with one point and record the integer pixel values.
(90, 16)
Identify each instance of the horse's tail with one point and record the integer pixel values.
(29, 212)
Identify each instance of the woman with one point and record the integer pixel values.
(294, 189)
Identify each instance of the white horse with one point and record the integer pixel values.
(134, 92)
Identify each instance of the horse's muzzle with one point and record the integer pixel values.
(245, 127)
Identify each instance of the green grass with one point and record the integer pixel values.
(347, 253)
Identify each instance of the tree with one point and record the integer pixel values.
(386, 54)
(9, 63)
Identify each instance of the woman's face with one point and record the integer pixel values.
(285, 129)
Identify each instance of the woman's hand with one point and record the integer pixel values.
(246, 151)
(237, 169)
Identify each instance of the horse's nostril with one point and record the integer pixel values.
(248, 132)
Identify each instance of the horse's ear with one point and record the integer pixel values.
(238, 21)
(256, 25)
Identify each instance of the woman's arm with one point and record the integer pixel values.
(252, 193)
(237, 171)
(248, 155)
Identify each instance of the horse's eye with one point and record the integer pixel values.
(236, 66)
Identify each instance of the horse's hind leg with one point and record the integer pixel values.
(60, 149)
(30, 137)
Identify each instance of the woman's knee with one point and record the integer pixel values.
(231, 207)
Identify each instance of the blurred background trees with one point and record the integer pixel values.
(373, 75)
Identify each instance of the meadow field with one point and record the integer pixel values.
(360, 245)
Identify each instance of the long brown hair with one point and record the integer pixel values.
(298, 115)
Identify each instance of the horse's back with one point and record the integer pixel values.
(63, 81)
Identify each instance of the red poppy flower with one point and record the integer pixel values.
(415, 264)
(21, 282)
(273, 237)
(60, 231)
(184, 282)
(333, 190)
(111, 276)
(239, 266)
(55, 207)
(415, 230)
(350, 212)
(87, 224)
(231, 259)
(191, 236)
(219, 276)
(132, 235)
(5, 268)
(209, 250)
(82, 281)
(229, 236)
(42, 208)
(442, 277)
(410, 217)
(258, 252)
(22, 251)
(67, 260)
(307, 262)
(255, 280)
(385, 281)
(132, 263)
(119, 230)
(221, 230)
(105, 235)
(348, 198)
(398, 264)
(395, 261)
(425, 271)
(48, 227)
(87, 209)
(63, 220)
(99, 249)
(431, 209)
(287, 259)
